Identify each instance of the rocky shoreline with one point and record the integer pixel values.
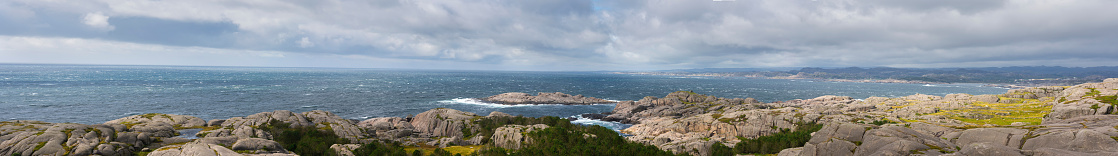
(1038, 121)
(779, 77)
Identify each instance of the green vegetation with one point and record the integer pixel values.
(1091, 93)
(303, 140)
(1030, 111)
(561, 138)
(573, 141)
(1112, 100)
(718, 149)
(778, 141)
(882, 122)
(486, 126)
(378, 149)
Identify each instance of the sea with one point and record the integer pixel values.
(90, 94)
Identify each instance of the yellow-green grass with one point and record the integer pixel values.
(464, 150)
(1030, 111)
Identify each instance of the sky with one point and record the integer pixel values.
(561, 35)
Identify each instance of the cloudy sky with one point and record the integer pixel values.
(561, 34)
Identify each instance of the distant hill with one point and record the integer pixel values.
(1027, 75)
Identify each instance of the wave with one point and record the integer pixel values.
(615, 126)
(473, 101)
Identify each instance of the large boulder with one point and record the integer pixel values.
(159, 125)
(172, 119)
(385, 124)
(442, 122)
(344, 149)
(258, 145)
(342, 127)
(512, 136)
(544, 98)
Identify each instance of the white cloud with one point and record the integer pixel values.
(98, 20)
(592, 35)
(305, 43)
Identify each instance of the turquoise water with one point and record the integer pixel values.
(95, 94)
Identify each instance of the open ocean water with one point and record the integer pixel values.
(92, 94)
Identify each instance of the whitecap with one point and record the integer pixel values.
(615, 126)
(311, 106)
(473, 101)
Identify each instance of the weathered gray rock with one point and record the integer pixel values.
(111, 149)
(841, 131)
(987, 98)
(934, 130)
(447, 141)
(1084, 140)
(893, 140)
(1062, 152)
(223, 141)
(342, 127)
(41, 138)
(215, 122)
(442, 122)
(829, 147)
(344, 149)
(543, 98)
(512, 136)
(791, 151)
(260, 145)
(246, 127)
(989, 149)
(498, 114)
(385, 124)
(1080, 100)
(995, 136)
(1034, 92)
(259, 119)
(171, 119)
(194, 149)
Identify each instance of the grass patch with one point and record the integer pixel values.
(1030, 111)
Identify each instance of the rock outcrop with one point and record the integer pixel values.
(194, 148)
(245, 127)
(515, 98)
(1019, 122)
(1085, 99)
(41, 138)
(513, 136)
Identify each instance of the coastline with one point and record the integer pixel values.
(757, 76)
(681, 122)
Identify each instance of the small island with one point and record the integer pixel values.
(517, 98)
